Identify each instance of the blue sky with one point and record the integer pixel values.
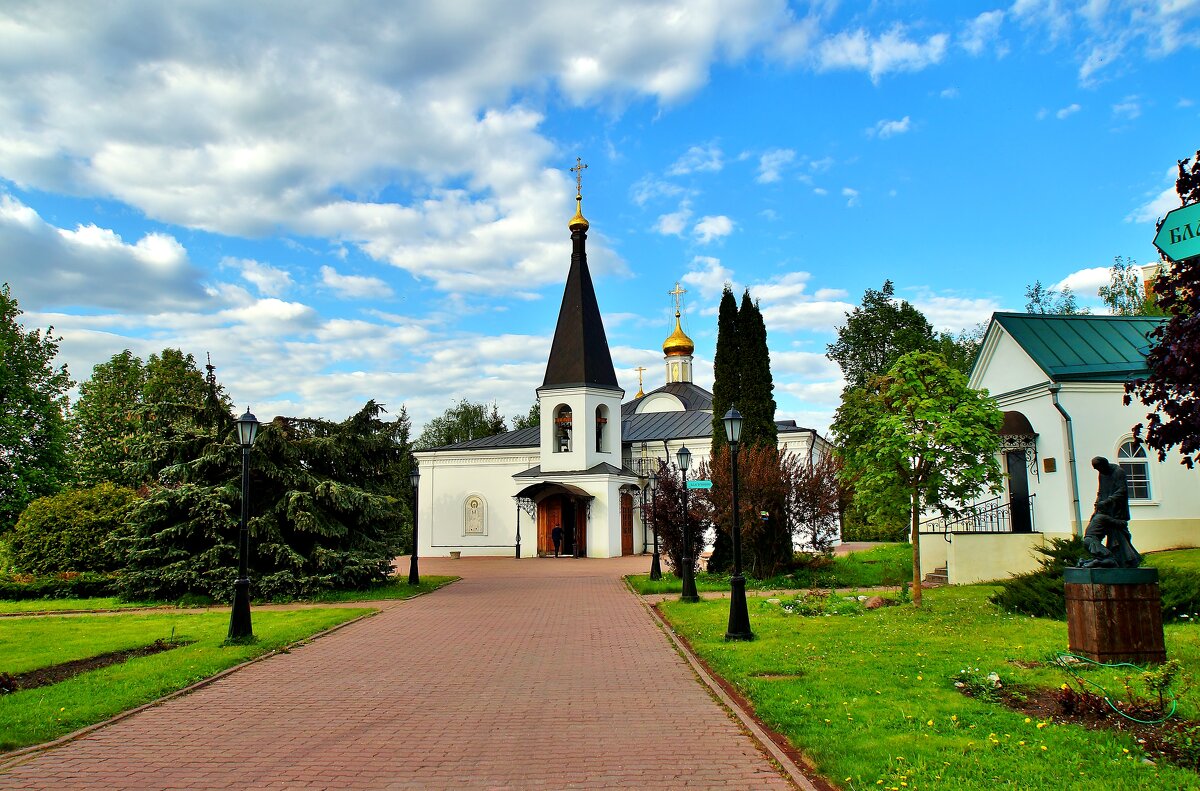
(370, 201)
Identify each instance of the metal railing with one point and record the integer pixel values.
(989, 516)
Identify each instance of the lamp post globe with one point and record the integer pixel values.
(414, 478)
(739, 616)
(683, 458)
(240, 627)
(655, 565)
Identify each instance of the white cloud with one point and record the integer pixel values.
(820, 191)
(649, 188)
(787, 306)
(354, 286)
(949, 93)
(1086, 282)
(949, 312)
(771, 163)
(1067, 111)
(268, 280)
(982, 31)
(673, 224)
(712, 227)
(851, 196)
(93, 266)
(708, 276)
(1159, 204)
(1128, 108)
(877, 56)
(699, 159)
(885, 129)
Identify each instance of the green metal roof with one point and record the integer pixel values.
(1083, 348)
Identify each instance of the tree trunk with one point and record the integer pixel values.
(916, 544)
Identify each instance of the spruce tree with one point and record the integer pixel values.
(726, 392)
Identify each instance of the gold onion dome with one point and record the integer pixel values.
(679, 343)
(578, 222)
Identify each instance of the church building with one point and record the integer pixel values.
(584, 467)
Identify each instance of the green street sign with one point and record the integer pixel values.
(1179, 237)
(699, 484)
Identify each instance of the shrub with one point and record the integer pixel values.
(1040, 593)
(853, 530)
(74, 530)
(67, 585)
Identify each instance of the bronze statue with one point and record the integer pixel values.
(1110, 522)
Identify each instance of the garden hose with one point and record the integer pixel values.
(1060, 658)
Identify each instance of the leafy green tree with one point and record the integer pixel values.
(1172, 388)
(1042, 300)
(463, 421)
(106, 419)
(533, 418)
(327, 505)
(877, 333)
(918, 438)
(74, 530)
(1125, 295)
(33, 402)
(959, 351)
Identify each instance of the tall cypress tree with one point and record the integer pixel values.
(726, 392)
(757, 404)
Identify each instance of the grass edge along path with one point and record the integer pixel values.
(29, 722)
(397, 588)
(869, 698)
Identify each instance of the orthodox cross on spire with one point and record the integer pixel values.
(677, 296)
(578, 171)
(640, 369)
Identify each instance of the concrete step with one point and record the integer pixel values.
(938, 576)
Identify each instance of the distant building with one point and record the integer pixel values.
(580, 468)
(1060, 381)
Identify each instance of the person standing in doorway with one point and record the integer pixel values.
(557, 534)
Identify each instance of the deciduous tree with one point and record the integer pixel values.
(877, 333)
(106, 419)
(33, 402)
(919, 438)
(1125, 295)
(1042, 300)
(464, 421)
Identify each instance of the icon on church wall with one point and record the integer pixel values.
(474, 516)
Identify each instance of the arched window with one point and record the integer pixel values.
(601, 428)
(1133, 460)
(562, 429)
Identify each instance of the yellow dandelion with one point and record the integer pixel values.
(954, 717)
(1022, 742)
(1027, 720)
(1041, 725)
(1125, 749)
(1044, 747)
(929, 723)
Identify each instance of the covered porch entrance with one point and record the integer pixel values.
(560, 505)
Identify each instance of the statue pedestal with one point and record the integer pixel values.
(1115, 615)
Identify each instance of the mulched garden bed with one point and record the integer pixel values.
(45, 676)
(1160, 741)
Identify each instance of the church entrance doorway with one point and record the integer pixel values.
(626, 524)
(566, 511)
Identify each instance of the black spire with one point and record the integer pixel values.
(579, 355)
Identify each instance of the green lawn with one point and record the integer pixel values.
(395, 588)
(42, 714)
(886, 564)
(871, 698)
(1182, 559)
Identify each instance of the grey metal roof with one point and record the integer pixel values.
(692, 396)
(648, 427)
(603, 468)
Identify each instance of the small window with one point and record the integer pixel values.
(1132, 459)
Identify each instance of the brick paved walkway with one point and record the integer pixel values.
(538, 673)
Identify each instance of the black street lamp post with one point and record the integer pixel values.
(239, 618)
(739, 617)
(655, 566)
(684, 457)
(415, 479)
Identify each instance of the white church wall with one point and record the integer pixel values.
(659, 402)
(449, 481)
(583, 403)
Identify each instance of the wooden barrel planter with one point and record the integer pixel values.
(1115, 615)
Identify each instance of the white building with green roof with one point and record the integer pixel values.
(1061, 383)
